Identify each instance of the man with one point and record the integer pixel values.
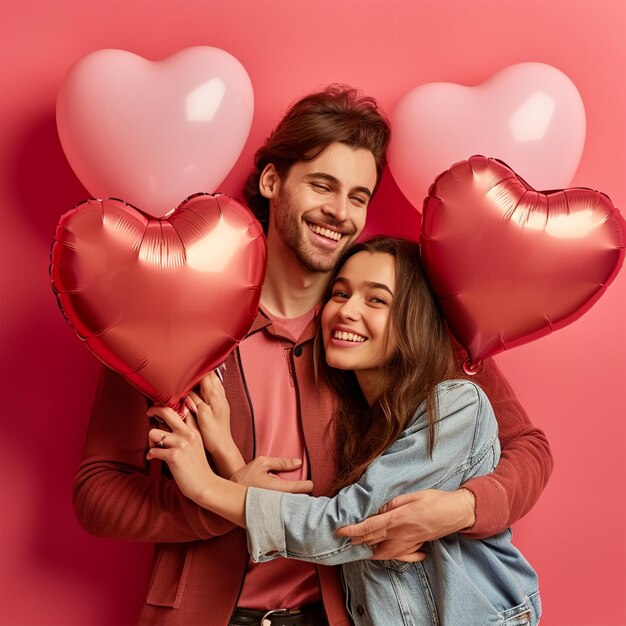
(312, 182)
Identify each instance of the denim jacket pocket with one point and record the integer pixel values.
(520, 619)
(525, 614)
(169, 575)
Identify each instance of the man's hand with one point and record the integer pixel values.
(406, 522)
(259, 473)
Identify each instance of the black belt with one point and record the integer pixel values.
(309, 615)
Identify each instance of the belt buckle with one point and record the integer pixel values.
(268, 622)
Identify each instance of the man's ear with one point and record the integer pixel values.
(268, 181)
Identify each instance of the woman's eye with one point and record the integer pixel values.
(337, 293)
(377, 300)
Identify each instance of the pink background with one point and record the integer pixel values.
(571, 382)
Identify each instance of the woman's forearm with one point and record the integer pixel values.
(225, 498)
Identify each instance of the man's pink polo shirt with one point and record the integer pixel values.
(282, 583)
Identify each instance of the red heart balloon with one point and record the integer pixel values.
(510, 264)
(161, 301)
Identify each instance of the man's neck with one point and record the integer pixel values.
(289, 289)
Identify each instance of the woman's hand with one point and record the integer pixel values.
(213, 412)
(183, 451)
(260, 473)
(213, 418)
(213, 415)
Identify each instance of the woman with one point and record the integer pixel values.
(402, 424)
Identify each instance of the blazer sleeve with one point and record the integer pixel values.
(303, 527)
(507, 494)
(117, 493)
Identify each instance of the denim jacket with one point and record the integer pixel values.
(462, 581)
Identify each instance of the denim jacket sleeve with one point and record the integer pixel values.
(303, 527)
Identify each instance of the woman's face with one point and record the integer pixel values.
(355, 319)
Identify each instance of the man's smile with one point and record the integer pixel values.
(324, 231)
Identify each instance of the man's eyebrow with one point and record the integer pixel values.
(335, 181)
(368, 283)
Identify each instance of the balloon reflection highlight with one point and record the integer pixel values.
(214, 252)
(531, 120)
(203, 102)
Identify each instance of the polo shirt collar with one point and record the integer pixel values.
(263, 322)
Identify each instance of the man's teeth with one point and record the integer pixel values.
(341, 334)
(325, 232)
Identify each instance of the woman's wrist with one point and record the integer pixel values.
(225, 498)
(227, 459)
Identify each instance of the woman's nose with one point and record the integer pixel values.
(350, 310)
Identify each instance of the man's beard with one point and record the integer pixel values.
(290, 230)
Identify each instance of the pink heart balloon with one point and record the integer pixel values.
(154, 132)
(510, 264)
(530, 115)
(161, 301)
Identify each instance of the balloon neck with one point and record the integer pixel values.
(180, 407)
(470, 368)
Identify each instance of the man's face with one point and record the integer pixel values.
(320, 207)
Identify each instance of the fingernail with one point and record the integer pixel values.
(190, 404)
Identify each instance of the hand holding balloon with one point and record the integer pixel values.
(212, 414)
(181, 448)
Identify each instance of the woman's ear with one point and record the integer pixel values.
(268, 181)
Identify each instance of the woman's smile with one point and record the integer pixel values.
(346, 336)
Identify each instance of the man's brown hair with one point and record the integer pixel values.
(337, 114)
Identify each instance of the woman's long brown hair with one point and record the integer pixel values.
(423, 359)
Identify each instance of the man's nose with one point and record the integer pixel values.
(337, 208)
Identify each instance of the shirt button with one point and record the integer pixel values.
(360, 610)
(297, 350)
